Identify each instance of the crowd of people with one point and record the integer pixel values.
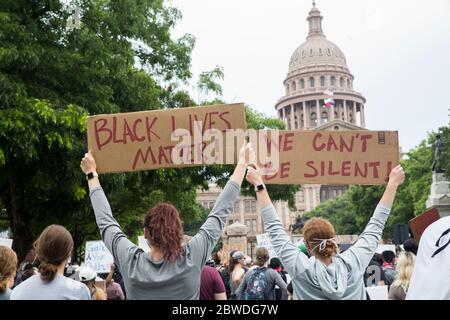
(177, 269)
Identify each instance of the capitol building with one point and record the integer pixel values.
(315, 66)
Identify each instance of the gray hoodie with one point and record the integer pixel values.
(146, 279)
(311, 278)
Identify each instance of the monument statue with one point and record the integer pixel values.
(299, 223)
(436, 166)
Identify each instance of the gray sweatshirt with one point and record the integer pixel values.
(148, 279)
(273, 278)
(312, 279)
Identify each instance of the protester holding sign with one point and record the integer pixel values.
(326, 275)
(169, 270)
(53, 249)
(8, 265)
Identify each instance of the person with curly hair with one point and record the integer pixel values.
(171, 269)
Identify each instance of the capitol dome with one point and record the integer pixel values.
(318, 72)
(316, 50)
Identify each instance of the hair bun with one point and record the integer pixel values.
(47, 271)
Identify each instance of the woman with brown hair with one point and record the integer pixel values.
(327, 274)
(260, 282)
(8, 265)
(170, 270)
(53, 250)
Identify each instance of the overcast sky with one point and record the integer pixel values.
(398, 52)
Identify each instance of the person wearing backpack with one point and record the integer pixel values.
(259, 283)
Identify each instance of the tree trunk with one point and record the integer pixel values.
(19, 220)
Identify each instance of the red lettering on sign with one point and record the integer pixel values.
(97, 131)
(149, 128)
(287, 145)
(222, 116)
(358, 170)
(375, 166)
(114, 129)
(310, 164)
(144, 158)
(346, 166)
(322, 146)
(364, 139)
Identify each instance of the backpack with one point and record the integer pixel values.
(256, 285)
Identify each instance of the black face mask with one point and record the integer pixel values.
(444, 246)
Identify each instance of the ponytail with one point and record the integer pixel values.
(47, 271)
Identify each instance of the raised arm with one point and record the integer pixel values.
(112, 235)
(292, 258)
(202, 244)
(362, 251)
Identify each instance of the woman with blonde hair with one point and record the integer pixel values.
(327, 274)
(405, 267)
(8, 265)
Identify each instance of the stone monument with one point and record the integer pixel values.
(235, 237)
(439, 197)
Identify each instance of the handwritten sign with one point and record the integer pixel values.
(142, 243)
(98, 257)
(330, 157)
(263, 240)
(6, 242)
(164, 138)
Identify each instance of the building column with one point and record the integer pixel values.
(241, 209)
(305, 116)
(319, 118)
(363, 119)
(332, 113)
(344, 105)
(299, 117)
(354, 112)
(292, 117)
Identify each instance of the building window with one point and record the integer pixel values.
(341, 82)
(251, 246)
(320, 51)
(311, 82)
(249, 225)
(230, 222)
(301, 194)
(311, 52)
(343, 116)
(313, 119)
(236, 206)
(336, 128)
(322, 81)
(302, 121)
(302, 83)
(287, 88)
(247, 206)
(329, 51)
(253, 205)
(324, 117)
(294, 86)
(333, 81)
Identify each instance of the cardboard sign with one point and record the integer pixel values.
(378, 292)
(98, 257)
(263, 240)
(421, 222)
(6, 242)
(329, 157)
(142, 243)
(385, 247)
(164, 138)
